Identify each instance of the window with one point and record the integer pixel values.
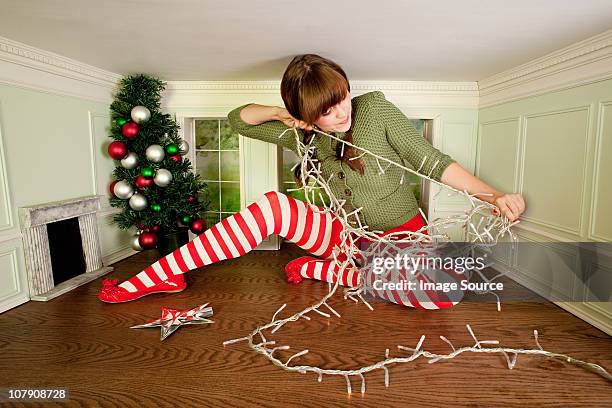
(290, 159)
(218, 163)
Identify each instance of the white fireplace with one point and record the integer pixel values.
(35, 225)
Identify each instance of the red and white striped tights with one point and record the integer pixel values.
(275, 213)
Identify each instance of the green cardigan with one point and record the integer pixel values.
(380, 127)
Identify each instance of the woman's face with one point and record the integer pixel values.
(337, 118)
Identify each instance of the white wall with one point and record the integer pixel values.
(545, 130)
(53, 120)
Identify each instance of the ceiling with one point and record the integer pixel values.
(444, 40)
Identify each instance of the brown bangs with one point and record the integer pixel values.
(321, 92)
(311, 85)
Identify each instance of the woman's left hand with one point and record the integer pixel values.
(511, 205)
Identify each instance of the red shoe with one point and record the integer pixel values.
(111, 292)
(293, 268)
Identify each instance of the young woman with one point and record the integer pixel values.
(316, 93)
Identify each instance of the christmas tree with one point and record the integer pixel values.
(153, 182)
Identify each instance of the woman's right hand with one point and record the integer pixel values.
(284, 116)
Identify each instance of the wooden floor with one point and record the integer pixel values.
(78, 342)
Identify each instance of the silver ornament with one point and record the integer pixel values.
(183, 148)
(155, 153)
(138, 202)
(123, 190)
(140, 114)
(162, 178)
(130, 161)
(135, 243)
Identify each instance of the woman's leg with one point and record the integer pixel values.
(308, 267)
(327, 270)
(275, 213)
(420, 297)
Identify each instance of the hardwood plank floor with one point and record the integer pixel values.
(78, 342)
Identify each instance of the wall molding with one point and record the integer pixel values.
(358, 85)
(192, 95)
(578, 64)
(581, 63)
(29, 67)
(15, 235)
(95, 154)
(523, 151)
(517, 155)
(590, 313)
(583, 310)
(20, 293)
(599, 137)
(4, 186)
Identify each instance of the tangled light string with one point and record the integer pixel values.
(483, 233)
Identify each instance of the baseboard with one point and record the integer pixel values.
(14, 302)
(119, 255)
(589, 314)
(582, 310)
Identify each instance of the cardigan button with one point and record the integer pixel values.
(348, 191)
(340, 174)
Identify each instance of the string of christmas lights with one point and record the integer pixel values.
(479, 225)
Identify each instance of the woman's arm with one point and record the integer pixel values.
(265, 123)
(411, 146)
(255, 114)
(510, 205)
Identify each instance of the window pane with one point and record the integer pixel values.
(289, 160)
(211, 194)
(207, 134)
(229, 139)
(418, 124)
(211, 218)
(230, 166)
(207, 165)
(230, 197)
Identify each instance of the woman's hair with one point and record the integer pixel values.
(310, 86)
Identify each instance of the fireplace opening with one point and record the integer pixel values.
(67, 257)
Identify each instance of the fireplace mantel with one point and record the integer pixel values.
(34, 220)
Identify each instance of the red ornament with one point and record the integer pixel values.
(192, 198)
(177, 158)
(147, 240)
(117, 150)
(197, 226)
(143, 182)
(130, 130)
(111, 188)
(155, 228)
